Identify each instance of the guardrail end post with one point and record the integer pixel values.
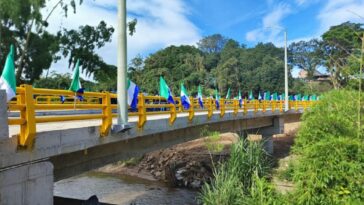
(28, 129)
(173, 114)
(107, 115)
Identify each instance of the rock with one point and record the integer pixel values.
(196, 184)
(158, 174)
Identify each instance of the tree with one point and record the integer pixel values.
(306, 56)
(82, 44)
(340, 43)
(212, 44)
(22, 24)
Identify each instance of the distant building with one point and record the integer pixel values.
(317, 76)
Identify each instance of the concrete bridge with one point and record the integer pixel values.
(64, 148)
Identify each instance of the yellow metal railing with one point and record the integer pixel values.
(29, 100)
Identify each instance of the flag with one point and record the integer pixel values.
(290, 97)
(62, 98)
(298, 97)
(240, 99)
(267, 95)
(199, 96)
(228, 94)
(275, 96)
(251, 97)
(217, 99)
(164, 90)
(260, 96)
(76, 83)
(79, 94)
(7, 79)
(185, 100)
(133, 91)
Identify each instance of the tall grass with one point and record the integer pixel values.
(241, 179)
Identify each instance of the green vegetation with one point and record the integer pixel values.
(330, 164)
(241, 180)
(327, 168)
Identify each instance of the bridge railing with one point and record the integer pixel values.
(29, 100)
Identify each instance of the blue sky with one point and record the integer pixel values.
(162, 23)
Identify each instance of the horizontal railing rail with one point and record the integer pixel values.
(29, 100)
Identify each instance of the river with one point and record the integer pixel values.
(120, 189)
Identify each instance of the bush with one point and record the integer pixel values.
(330, 165)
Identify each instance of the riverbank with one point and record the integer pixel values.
(187, 164)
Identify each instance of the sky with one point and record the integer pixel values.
(162, 23)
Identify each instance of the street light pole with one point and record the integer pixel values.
(122, 64)
(286, 107)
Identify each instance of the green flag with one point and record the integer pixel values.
(217, 97)
(251, 97)
(7, 79)
(267, 95)
(164, 90)
(275, 96)
(228, 94)
(76, 83)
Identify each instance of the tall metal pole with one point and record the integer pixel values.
(286, 107)
(122, 63)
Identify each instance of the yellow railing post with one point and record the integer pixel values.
(281, 106)
(236, 106)
(106, 115)
(28, 129)
(245, 106)
(264, 106)
(210, 108)
(274, 105)
(296, 105)
(255, 102)
(191, 111)
(173, 114)
(222, 107)
(142, 112)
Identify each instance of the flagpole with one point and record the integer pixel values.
(121, 64)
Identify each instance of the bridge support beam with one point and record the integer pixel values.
(30, 184)
(267, 133)
(4, 128)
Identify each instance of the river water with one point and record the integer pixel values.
(119, 189)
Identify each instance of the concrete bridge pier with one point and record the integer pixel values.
(27, 183)
(267, 133)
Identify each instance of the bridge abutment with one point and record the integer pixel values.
(29, 184)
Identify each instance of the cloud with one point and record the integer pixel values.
(160, 23)
(271, 25)
(338, 11)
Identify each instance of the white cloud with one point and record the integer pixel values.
(160, 24)
(338, 11)
(271, 28)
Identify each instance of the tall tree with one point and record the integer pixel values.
(306, 55)
(340, 43)
(212, 44)
(82, 44)
(22, 24)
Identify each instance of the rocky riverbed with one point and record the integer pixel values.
(189, 164)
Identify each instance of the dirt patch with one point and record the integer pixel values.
(184, 165)
(282, 146)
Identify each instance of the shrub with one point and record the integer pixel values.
(330, 165)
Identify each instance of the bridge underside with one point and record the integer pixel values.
(67, 165)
